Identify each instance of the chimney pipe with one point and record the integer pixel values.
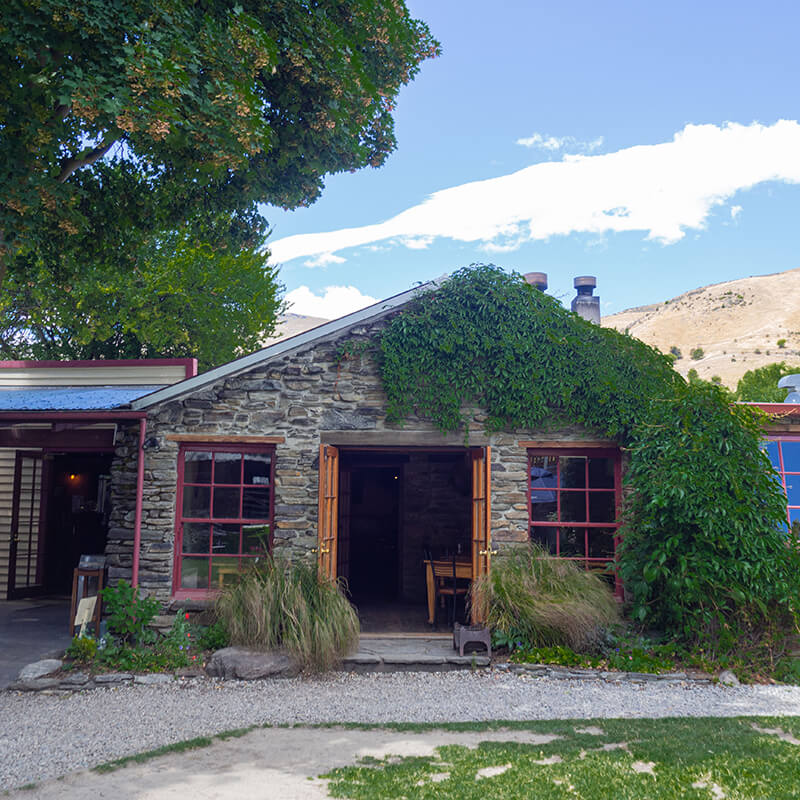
(537, 279)
(585, 304)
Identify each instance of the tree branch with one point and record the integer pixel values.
(86, 158)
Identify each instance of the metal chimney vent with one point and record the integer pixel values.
(537, 279)
(791, 382)
(585, 304)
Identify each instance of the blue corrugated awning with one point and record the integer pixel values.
(70, 398)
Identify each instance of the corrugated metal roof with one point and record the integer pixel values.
(70, 398)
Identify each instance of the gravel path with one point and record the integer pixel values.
(45, 736)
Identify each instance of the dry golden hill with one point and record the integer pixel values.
(736, 324)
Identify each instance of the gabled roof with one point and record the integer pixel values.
(70, 398)
(322, 332)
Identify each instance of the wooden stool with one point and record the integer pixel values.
(475, 634)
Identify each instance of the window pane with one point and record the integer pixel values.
(225, 538)
(601, 543)
(771, 449)
(573, 506)
(545, 537)
(256, 468)
(601, 506)
(793, 490)
(791, 456)
(255, 504)
(226, 503)
(224, 571)
(794, 515)
(255, 538)
(573, 472)
(194, 573)
(195, 537)
(196, 501)
(227, 468)
(543, 511)
(543, 472)
(197, 467)
(601, 473)
(572, 542)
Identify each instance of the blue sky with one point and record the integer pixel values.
(653, 145)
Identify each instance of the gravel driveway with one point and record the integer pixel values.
(44, 736)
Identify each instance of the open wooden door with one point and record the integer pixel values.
(327, 537)
(25, 573)
(481, 513)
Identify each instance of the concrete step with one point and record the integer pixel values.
(411, 654)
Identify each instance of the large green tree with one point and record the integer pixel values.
(130, 126)
(761, 385)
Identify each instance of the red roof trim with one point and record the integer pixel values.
(99, 415)
(779, 409)
(189, 364)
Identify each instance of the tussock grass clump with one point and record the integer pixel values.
(278, 604)
(546, 601)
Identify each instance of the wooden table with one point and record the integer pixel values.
(437, 572)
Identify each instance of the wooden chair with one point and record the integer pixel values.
(450, 579)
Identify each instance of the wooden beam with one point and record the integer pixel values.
(573, 445)
(221, 438)
(102, 438)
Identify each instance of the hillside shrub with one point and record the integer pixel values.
(546, 601)
(704, 553)
(277, 604)
(697, 353)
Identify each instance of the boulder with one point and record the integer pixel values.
(248, 665)
(727, 678)
(39, 669)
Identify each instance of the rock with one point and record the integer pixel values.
(113, 677)
(39, 669)
(75, 679)
(727, 678)
(35, 684)
(152, 678)
(237, 662)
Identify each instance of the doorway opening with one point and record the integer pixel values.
(396, 509)
(59, 512)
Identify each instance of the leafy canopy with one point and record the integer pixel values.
(703, 550)
(761, 385)
(216, 105)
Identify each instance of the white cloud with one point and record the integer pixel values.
(661, 190)
(541, 141)
(324, 259)
(735, 211)
(335, 301)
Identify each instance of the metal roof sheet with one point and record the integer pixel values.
(70, 398)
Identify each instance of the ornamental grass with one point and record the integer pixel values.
(545, 601)
(281, 605)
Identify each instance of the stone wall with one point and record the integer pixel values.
(307, 397)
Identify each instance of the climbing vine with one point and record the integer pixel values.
(703, 554)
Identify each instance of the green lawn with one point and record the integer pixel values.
(667, 758)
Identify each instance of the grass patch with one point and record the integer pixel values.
(666, 758)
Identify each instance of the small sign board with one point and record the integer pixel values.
(85, 612)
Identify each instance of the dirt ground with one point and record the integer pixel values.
(265, 764)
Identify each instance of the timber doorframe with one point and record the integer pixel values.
(328, 530)
(481, 514)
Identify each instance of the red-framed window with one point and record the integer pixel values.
(573, 503)
(225, 511)
(784, 453)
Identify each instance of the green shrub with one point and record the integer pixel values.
(697, 353)
(549, 601)
(676, 351)
(82, 649)
(781, 343)
(163, 655)
(129, 613)
(277, 604)
(703, 552)
(213, 637)
(788, 670)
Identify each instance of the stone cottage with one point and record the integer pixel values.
(289, 449)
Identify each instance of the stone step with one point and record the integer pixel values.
(411, 654)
